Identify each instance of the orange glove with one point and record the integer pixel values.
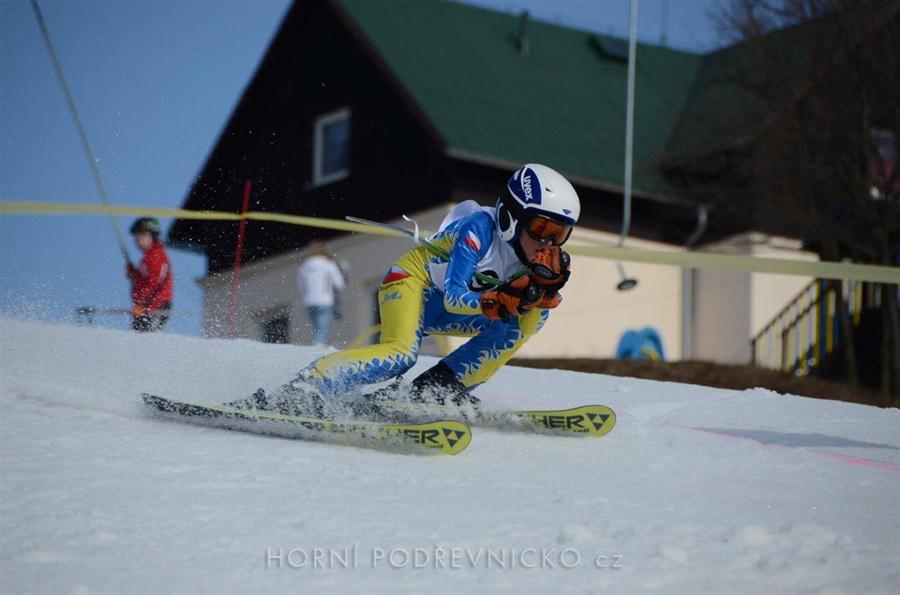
(510, 299)
(129, 271)
(137, 311)
(550, 271)
(550, 268)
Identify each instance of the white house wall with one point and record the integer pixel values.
(721, 316)
(731, 307)
(594, 314)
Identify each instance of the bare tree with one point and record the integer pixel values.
(807, 147)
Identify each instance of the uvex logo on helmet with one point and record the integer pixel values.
(529, 190)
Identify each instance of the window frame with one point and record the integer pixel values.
(319, 178)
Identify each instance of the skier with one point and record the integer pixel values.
(151, 281)
(491, 274)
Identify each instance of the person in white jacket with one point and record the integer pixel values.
(320, 280)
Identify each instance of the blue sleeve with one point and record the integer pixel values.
(474, 235)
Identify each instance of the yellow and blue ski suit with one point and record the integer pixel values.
(425, 294)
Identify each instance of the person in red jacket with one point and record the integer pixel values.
(151, 281)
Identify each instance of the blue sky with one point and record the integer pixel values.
(155, 83)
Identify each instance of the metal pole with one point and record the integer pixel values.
(629, 121)
(88, 152)
(664, 23)
(625, 283)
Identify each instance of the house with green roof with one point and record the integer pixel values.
(378, 109)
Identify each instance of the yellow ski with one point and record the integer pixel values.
(587, 420)
(444, 437)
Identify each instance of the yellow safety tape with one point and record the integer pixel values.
(697, 260)
(750, 264)
(23, 207)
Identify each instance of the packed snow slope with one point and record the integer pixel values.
(697, 490)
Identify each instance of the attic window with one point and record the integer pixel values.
(331, 147)
(610, 48)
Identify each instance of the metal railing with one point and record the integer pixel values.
(807, 331)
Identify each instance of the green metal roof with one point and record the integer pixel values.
(563, 103)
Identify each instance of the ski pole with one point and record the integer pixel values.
(82, 135)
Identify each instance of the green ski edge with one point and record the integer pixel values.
(444, 436)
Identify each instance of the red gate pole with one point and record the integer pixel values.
(236, 270)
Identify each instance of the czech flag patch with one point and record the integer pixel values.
(394, 274)
(472, 240)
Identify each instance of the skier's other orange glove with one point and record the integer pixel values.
(550, 271)
(513, 298)
(550, 268)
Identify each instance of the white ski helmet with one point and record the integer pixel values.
(535, 190)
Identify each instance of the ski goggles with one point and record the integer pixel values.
(544, 229)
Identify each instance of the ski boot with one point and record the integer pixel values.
(297, 398)
(440, 386)
(437, 386)
(378, 403)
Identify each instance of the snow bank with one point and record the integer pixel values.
(697, 490)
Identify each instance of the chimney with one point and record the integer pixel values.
(523, 34)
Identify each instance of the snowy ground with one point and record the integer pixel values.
(697, 490)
